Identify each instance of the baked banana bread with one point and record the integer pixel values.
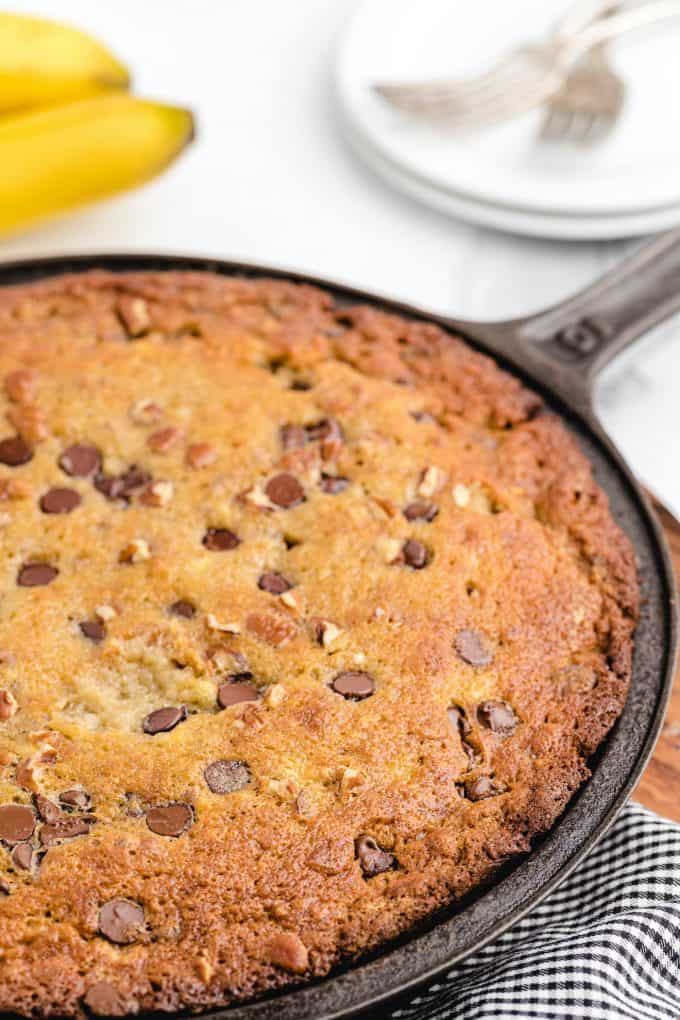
(310, 618)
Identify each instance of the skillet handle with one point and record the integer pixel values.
(578, 337)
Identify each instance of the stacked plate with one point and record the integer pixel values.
(505, 176)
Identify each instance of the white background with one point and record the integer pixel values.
(270, 179)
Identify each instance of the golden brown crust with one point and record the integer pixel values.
(400, 558)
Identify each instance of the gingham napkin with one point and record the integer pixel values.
(604, 946)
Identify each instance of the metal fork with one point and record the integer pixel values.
(528, 77)
(589, 103)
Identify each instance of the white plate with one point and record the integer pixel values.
(636, 169)
(517, 221)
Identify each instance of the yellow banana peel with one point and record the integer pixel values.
(43, 63)
(61, 157)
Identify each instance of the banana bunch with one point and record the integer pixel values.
(70, 132)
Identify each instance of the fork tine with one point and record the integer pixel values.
(555, 124)
(454, 104)
(600, 128)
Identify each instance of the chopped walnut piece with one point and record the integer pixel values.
(275, 695)
(326, 632)
(293, 600)
(21, 386)
(285, 789)
(29, 771)
(289, 952)
(136, 552)
(157, 494)
(275, 629)
(105, 613)
(14, 489)
(164, 439)
(29, 421)
(8, 705)
(146, 412)
(389, 549)
(305, 805)
(257, 496)
(212, 623)
(348, 779)
(204, 969)
(200, 455)
(431, 481)
(461, 495)
(134, 314)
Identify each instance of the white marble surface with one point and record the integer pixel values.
(270, 179)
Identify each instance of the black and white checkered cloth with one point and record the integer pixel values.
(604, 946)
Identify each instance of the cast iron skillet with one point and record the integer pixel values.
(557, 352)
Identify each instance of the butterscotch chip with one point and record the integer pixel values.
(288, 951)
(419, 681)
(200, 455)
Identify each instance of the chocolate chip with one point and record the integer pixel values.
(459, 720)
(35, 575)
(183, 608)
(333, 484)
(354, 684)
(373, 860)
(80, 460)
(423, 417)
(122, 486)
(301, 385)
(328, 428)
(121, 921)
(164, 719)
(481, 788)
(60, 501)
(103, 999)
(14, 451)
(22, 856)
(93, 629)
(220, 539)
(77, 799)
(473, 647)
(421, 512)
(227, 776)
(284, 490)
(292, 436)
(47, 811)
(170, 819)
(274, 583)
(236, 691)
(67, 828)
(498, 716)
(16, 823)
(415, 554)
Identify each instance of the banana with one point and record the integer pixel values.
(43, 63)
(60, 157)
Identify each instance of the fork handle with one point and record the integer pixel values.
(580, 15)
(618, 24)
